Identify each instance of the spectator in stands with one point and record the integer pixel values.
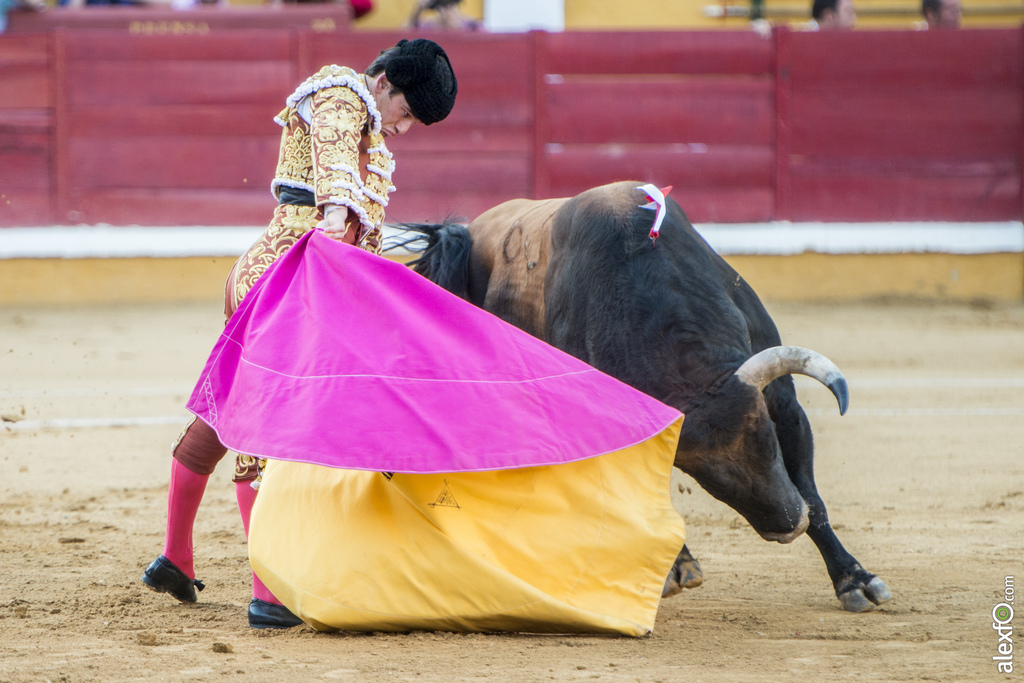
(9, 5)
(448, 16)
(334, 172)
(941, 13)
(833, 14)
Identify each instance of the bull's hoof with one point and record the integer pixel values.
(865, 598)
(685, 573)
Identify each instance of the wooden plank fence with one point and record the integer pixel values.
(121, 127)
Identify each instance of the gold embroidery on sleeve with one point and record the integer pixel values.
(323, 157)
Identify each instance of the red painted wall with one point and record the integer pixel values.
(111, 126)
(911, 126)
(26, 131)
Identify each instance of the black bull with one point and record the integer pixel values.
(675, 321)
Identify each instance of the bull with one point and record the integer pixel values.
(671, 318)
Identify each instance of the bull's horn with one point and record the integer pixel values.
(760, 369)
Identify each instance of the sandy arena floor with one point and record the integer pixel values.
(924, 478)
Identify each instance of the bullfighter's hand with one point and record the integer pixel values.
(341, 225)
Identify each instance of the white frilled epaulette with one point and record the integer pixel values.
(334, 76)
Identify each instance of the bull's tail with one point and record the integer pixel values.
(445, 260)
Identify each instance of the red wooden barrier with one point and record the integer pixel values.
(171, 130)
(693, 110)
(114, 127)
(26, 125)
(916, 125)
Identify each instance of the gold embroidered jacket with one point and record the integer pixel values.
(324, 121)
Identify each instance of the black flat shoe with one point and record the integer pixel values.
(263, 614)
(164, 577)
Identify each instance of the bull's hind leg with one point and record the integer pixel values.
(857, 589)
(685, 573)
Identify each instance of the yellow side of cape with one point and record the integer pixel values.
(582, 547)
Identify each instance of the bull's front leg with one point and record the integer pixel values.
(857, 589)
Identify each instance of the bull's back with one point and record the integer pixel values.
(511, 251)
(612, 289)
(707, 281)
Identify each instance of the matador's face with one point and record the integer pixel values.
(396, 117)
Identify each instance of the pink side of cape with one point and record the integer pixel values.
(341, 358)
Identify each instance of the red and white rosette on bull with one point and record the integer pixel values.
(657, 204)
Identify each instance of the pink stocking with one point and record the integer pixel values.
(184, 495)
(245, 494)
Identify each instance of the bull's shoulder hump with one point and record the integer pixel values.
(617, 199)
(529, 215)
(515, 208)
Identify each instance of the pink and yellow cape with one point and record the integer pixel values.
(432, 467)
